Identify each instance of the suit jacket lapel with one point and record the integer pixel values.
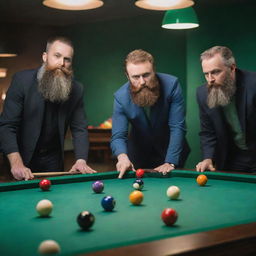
(241, 103)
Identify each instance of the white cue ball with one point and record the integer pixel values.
(44, 207)
(173, 192)
(49, 247)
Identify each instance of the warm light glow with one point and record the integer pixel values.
(162, 5)
(180, 26)
(3, 96)
(73, 5)
(8, 54)
(3, 72)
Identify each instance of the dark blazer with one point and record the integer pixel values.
(22, 117)
(214, 135)
(151, 143)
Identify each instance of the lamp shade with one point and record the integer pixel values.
(180, 19)
(163, 5)
(73, 5)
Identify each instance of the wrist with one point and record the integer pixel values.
(122, 157)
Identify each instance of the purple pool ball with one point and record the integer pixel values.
(98, 186)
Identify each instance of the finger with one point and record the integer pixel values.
(198, 167)
(73, 169)
(31, 176)
(26, 174)
(133, 169)
(211, 168)
(90, 170)
(121, 174)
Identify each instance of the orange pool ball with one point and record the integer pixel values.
(136, 197)
(201, 180)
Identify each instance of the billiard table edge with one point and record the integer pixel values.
(236, 240)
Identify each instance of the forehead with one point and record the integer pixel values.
(139, 68)
(62, 48)
(215, 62)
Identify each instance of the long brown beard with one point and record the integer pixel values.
(221, 94)
(146, 95)
(55, 84)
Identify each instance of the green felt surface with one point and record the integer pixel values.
(223, 202)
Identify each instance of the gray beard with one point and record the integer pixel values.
(221, 95)
(54, 85)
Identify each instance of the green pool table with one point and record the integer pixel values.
(217, 219)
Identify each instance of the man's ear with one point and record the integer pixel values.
(44, 56)
(233, 67)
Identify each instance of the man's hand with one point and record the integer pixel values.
(82, 167)
(123, 165)
(18, 169)
(165, 168)
(205, 165)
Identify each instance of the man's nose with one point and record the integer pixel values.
(61, 62)
(211, 79)
(142, 80)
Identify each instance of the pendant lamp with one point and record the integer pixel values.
(180, 19)
(162, 5)
(73, 5)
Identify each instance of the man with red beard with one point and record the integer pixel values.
(227, 105)
(39, 107)
(153, 105)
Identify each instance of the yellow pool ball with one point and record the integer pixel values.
(201, 179)
(136, 197)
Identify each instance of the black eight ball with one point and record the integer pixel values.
(85, 220)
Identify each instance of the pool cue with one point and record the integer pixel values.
(49, 174)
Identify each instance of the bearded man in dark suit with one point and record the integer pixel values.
(39, 107)
(227, 105)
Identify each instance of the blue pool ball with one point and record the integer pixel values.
(108, 203)
(98, 186)
(138, 184)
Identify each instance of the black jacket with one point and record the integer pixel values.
(22, 117)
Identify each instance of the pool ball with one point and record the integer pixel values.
(108, 203)
(201, 180)
(169, 216)
(140, 173)
(85, 220)
(136, 197)
(173, 192)
(44, 207)
(49, 247)
(45, 184)
(138, 184)
(98, 186)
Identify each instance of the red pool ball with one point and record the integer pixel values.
(45, 184)
(169, 216)
(140, 173)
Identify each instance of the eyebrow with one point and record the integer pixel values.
(214, 71)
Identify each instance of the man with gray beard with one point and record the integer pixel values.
(39, 107)
(227, 106)
(152, 104)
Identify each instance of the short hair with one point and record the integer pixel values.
(225, 53)
(138, 56)
(62, 39)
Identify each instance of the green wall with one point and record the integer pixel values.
(230, 24)
(103, 46)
